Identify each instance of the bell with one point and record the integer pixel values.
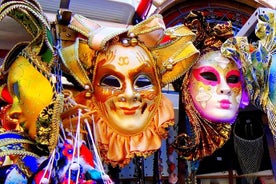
(133, 41)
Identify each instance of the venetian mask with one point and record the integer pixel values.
(122, 71)
(215, 87)
(30, 91)
(126, 88)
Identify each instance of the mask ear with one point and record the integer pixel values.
(5, 95)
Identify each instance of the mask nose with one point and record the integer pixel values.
(15, 110)
(223, 87)
(129, 95)
(10, 119)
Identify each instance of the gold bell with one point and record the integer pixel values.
(169, 67)
(88, 94)
(133, 41)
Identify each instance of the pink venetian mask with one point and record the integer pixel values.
(215, 87)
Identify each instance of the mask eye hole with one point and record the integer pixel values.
(16, 89)
(110, 81)
(233, 79)
(209, 76)
(142, 81)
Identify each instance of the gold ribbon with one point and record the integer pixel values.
(26, 13)
(176, 57)
(97, 35)
(31, 17)
(70, 58)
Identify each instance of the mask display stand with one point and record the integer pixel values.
(139, 170)
(156, 168)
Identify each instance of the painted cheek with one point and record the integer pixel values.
(148, 95)
(196, 73)
(236, 91)
(104, 94)
(148, 98)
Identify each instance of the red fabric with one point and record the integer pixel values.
(87, 155)
(6, 96)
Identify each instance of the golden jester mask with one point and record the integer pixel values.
(30, 104)
(29, 96)
(123, 71)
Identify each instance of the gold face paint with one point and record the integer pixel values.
(126, 88)
(30, 91)
(215, 87)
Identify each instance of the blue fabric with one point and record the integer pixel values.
(31, 163)
(15, 176)
(11, 135)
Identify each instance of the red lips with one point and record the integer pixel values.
(225, 104)
(129, 111)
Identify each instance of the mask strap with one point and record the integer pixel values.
(77, 143)
(49, 168)
(98, 162)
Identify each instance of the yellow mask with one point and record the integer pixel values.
(31, 92)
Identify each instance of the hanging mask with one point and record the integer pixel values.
(29, 96)
(34, 103)
(129, 103)
(212, 91)
(124, 82)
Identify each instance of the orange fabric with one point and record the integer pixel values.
(116, 149)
